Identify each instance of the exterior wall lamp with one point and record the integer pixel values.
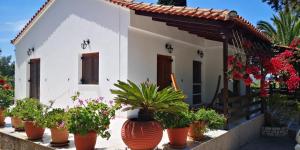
(169, 48)
(85, 43)
(30, 51)
(200, 53)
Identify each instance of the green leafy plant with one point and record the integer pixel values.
(6, 93)
(56, 118)
(213, 119)
(33, 110)
(90, 115)
(149, 99)
(15, 110)
(171, 120)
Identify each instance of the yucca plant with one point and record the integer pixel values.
(149, 99)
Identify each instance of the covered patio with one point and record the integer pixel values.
(223, 26)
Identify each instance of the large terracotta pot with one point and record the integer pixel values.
(177, 137)
(59, 135)
(141, 135)
(33, 131)
(197, 130)
(2, 117)
(17, 123)
(85, 142)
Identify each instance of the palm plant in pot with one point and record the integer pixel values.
(144, 132)
(6, 98)
(14, 112)
(56, 120)
(32, 114)
(87, 119)
(177, 126)
(204, 119)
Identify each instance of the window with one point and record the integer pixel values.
(90, 68)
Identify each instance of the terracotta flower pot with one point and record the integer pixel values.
(141, 135)
(59, 135)
(17, 123)
(33, 131)
(85, 142)
(2, 117)
(178, 137)
(197, 130)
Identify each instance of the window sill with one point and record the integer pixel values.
(85, 86)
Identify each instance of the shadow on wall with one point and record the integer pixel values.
(101, 13)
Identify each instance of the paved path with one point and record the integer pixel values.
(270, 143)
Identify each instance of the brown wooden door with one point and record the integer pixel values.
(196, 82)
(34, 81)
(164, 71)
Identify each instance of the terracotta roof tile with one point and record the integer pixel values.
(211, 14)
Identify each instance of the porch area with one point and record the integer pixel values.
(196, 50)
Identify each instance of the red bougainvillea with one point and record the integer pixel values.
(284, 69)
(239, 71)
(280, 66)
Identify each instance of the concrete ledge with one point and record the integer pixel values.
(216, 140)
(9, 142)
(236, 137)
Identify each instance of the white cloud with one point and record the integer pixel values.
(12, 26)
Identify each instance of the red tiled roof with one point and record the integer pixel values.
(210, 14)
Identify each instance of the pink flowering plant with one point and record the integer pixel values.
(56, 118)
(90, 115)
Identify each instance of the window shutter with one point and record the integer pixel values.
(90, 68)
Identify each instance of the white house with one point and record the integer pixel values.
(87, 45)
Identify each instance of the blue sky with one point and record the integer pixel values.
(15, 13)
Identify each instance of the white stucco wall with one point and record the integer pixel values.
(57, 38)
(128, 45)
(147, 38)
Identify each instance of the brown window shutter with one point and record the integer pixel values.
(90, 68)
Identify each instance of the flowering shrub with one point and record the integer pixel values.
(56, 118)
(238, 71)
(284, 67)
(90, 115)
(6, 93)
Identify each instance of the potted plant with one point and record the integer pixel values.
(6, 98)
(144, 132)
(14, 112)
(56, 120)
(177, 125)
(87, 119)
(202, 120)
(33, 116)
